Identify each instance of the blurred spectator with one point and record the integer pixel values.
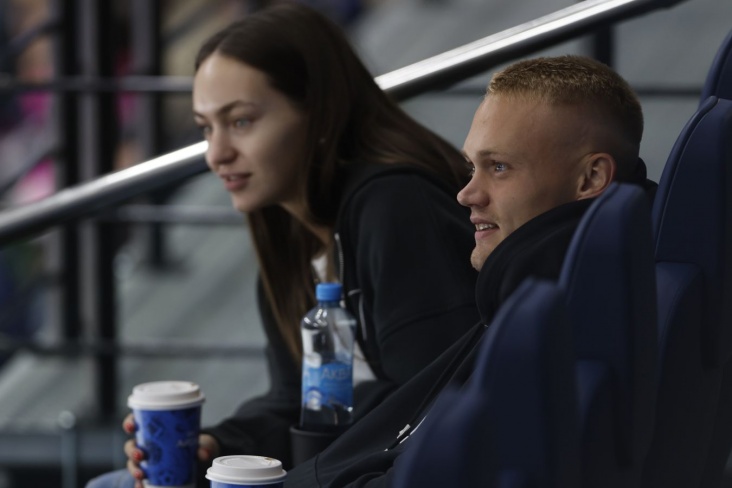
(25, 173)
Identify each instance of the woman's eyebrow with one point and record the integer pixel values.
(226, 109)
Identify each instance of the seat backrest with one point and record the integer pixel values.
(691, 217)
(688, 391)
(719, 77)
(609, 282)
(598, 449)
(514, 423)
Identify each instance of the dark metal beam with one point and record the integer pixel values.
(124, 84)
(151, 348)
(67, 166)
(98, 51)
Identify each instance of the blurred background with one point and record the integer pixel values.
(169, 294)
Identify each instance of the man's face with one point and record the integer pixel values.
(526, 158)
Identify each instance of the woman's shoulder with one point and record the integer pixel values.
(391, 192)
(384, 179)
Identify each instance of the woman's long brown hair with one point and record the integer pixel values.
(351, 120)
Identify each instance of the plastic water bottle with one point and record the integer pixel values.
(328, 332)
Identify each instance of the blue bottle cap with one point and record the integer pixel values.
(328, 292)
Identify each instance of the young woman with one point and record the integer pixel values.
(338, 184)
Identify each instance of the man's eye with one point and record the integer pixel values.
(499, 167)
(470, 167)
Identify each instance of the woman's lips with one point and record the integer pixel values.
(235, 182)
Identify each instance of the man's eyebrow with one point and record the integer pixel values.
(224, 110)
(482, 154)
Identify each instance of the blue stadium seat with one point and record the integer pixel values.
(719, 78)
(609, 281)
(691, 217)
(493, 437)
(514, 424)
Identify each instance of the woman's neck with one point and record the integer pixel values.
(324, 233)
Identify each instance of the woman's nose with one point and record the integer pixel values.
(220, 151)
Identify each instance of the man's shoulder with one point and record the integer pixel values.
(536, 249)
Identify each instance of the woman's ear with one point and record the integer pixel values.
(598, 173)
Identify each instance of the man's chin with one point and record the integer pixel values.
(479, 257)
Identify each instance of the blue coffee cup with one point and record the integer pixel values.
(168, 418)
(246, 472)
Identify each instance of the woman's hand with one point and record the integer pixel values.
(133, 453)
(208, 449)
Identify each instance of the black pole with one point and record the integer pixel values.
(147, 54)
(67, 124)
(603, 45)
(100, 136)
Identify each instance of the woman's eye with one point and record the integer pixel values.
(470, 167)
(499, 167)
(205, 130)
(241, 123)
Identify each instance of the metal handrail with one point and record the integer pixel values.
(457, 64)
(87, 198)
(437, 72)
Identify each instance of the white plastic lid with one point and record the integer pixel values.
(246, 470)
(165, 395)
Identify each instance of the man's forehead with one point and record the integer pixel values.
(515, 129)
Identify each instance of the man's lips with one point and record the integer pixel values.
(483, 228)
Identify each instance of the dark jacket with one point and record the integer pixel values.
(403, 246)
(366, 454)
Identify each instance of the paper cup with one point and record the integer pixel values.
(168, 418)
(246, 472)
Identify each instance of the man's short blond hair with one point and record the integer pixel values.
(585, 83)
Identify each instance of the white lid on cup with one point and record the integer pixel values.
(165, 395)
(246, 470)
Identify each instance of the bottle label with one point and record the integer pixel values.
(328, 385)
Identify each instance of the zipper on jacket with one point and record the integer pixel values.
(341, 277)
(438, 386)
(339, 256)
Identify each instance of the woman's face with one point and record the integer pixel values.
(256, 135)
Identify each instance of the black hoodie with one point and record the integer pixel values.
(398, 229)
(365, 455)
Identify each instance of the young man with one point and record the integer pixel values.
(550, 135)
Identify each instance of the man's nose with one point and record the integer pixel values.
(472, 194)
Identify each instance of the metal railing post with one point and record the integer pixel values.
(69, 450)
(602, 44)
(147, 50)
(67, 130)
(100, 136)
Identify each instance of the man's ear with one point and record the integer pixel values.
(598, 173)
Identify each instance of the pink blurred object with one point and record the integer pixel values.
(38, 184)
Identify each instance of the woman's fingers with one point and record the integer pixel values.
(134, 454)
(208, 448)
(135, 471)
(128, 424)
